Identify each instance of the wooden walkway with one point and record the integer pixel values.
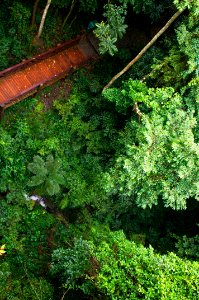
(26, 78)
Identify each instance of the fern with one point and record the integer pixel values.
(47, 174)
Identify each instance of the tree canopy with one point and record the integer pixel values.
(99, 188)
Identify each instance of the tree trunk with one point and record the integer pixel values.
(144, 49)
(43, 18)
(34, 12)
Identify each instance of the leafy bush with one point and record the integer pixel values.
(15, 34)
(113, 29)
(28, 288)
(70, 264)
(130, 271)
(115, 268)
(188, 247)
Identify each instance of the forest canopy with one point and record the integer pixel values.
(99, 188)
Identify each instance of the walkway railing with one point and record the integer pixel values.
(26, 78)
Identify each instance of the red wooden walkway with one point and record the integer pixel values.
(24, 79)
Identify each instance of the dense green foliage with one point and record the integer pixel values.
(119, 269)
(163, 140)
(130, 271)
(117, 171)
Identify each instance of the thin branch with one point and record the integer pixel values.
(175, 16)
(69, 13)
(64, 294)
(73, 20)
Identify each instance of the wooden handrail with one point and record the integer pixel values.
(41, 56)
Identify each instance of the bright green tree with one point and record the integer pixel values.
(158, 157)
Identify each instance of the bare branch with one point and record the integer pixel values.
(175, 16)
(137, 110)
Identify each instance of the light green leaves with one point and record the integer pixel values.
(158, 157)
(114, 29)
(192, 5)
(130, 271)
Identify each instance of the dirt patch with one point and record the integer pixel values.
(60, 90)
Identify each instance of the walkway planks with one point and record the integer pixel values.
(26, 78)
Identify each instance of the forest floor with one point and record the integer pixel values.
(58, 90)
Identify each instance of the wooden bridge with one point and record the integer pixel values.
(26, 78)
